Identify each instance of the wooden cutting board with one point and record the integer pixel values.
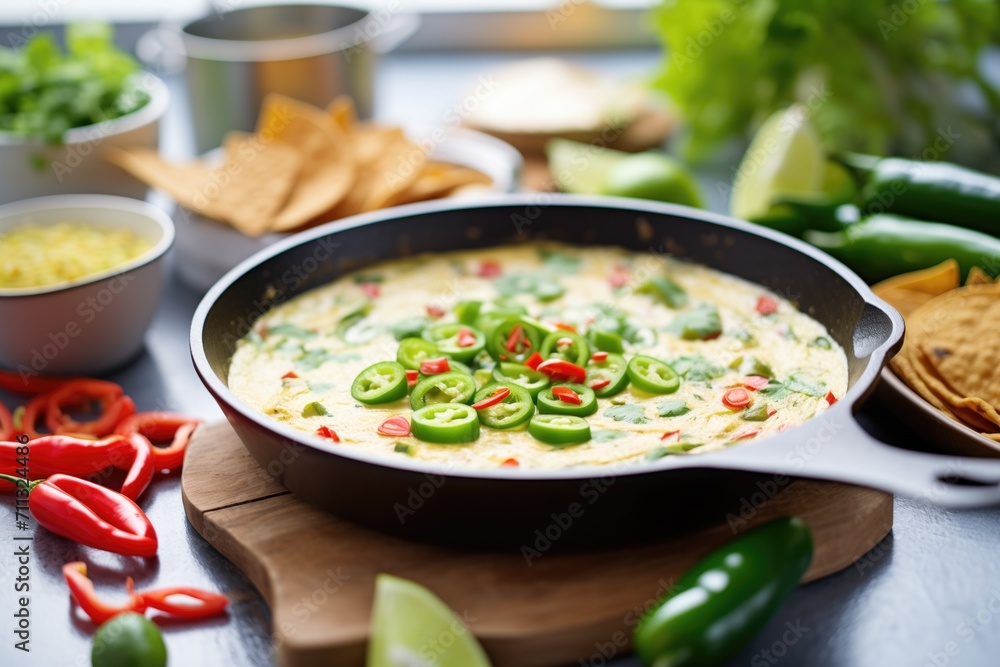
(317, 571)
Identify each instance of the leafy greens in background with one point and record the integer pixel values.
(879, 76)
(44, 91)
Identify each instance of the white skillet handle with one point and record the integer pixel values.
(835, 447)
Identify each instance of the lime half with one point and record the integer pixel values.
(412, 627)
(785, 160)
(581, 168)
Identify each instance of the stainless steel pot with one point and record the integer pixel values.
(310, 52)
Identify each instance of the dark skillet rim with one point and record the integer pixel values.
(220, 390)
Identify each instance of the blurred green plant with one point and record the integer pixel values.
(44, 92)
(888, 77)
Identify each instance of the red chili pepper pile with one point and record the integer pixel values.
(85, 511)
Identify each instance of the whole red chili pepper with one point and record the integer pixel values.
(62, 454)
(6, 423)
(115, 407)
(162, 427)
(82, 590)
(19, 383)
(90, 514)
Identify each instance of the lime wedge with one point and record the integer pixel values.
(412, 627)
(785, 160)
(581, 168)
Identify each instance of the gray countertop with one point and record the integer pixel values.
(927, 595)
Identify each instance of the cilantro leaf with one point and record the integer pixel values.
(672, 409)
(290, 330)
(631, 413)
(697, 368)
(700, 323)
(665, 290)
(606, 435)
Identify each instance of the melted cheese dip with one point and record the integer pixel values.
(311, 349)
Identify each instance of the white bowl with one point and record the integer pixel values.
(76, 166)
(94, 324)
(208, 249)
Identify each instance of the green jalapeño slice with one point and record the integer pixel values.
(559, 430)
(451, 387)
(532, 380)
(513, 410)
(513, 339)
(413, 351)
(606, 374)
(567, 399)
(566, 345)
(446, 423)
(383, 382)
(652, 375)
(457, 341)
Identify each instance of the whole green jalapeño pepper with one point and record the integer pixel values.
(936, 191)
(886, 245)
(724, 600)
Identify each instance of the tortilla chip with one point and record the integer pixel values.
(439, 179)
(327, 169)
(246, 191)
(343, 112)
(934, 281)
(963, 347)
(978, 277)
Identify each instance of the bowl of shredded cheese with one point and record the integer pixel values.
(80, 279)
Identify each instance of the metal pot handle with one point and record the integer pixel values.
(835, 447)
(162, 50)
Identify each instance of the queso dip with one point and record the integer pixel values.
(539, 356)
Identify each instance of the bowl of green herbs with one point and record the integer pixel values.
(61, 108)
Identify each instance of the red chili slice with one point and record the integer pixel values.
(489, 269)
(560, 370)
(290, 375)
(510, 463)
(435, 366)
(737, 398)
(412, 376)
(830, 398)
(599, 356)
(671, 435)
(371, 290)
(597, 385)
(515, 339)
(496, 397)
(755, 382)
(744, 435)
(533, 361)
(397, 427)
(465, 338)
(766, 305)
(567, 395)
(565, 327)
(435, 311)
(327, 432)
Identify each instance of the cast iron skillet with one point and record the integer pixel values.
(587, 506)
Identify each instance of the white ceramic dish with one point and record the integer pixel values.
(207, 250)
(94, 324)
(76, 166)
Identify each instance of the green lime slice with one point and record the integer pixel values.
(581, 168)
(784, 160)
(653, 176)
(412, 627)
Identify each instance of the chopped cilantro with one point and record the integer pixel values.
(628, 412)
(606, 435)
(750, 365)
(669, 450)
(665, 290)
(699, 323)
(697, 368)
(672, 409)
(291, 330)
